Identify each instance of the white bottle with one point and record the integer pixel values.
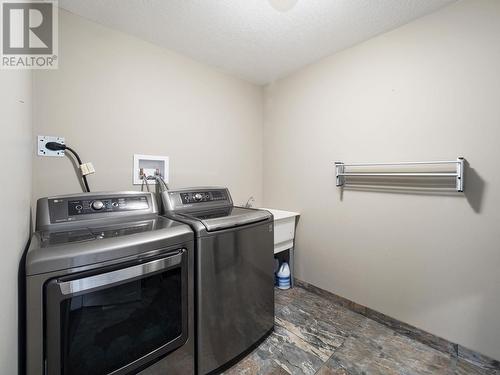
(284, 276)
(276, 268)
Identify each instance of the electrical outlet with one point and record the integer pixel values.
(43, 151)
(150, 165)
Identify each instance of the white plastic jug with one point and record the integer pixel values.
(284, 276)
(276, 265)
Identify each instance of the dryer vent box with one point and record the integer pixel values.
(150, 165)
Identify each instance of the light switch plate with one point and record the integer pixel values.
(149, 165)
(43, 140)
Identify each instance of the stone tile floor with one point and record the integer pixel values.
(316, 336)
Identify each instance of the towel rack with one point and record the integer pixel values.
(341, 173)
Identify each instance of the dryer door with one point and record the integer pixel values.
(119, 319)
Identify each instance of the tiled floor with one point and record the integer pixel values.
(315, 336)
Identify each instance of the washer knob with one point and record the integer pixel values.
(97, 205)
(198, 197)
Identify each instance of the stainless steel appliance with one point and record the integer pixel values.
(109, 288)
(233, 270)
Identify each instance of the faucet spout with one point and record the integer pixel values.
(249, 202)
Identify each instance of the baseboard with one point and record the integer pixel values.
(415, 333)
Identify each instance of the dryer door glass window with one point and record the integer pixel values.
(120, 325)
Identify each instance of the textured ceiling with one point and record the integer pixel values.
(252, 38)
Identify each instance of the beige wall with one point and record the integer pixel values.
(427, 91)
(15, 179)
(114, 95)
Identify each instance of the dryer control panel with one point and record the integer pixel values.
(113, 204)
(91, 206)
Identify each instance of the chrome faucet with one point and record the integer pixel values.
(249, 202)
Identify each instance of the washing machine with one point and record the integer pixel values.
(109, 288)
(234, 273)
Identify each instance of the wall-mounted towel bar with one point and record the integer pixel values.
(458, 174)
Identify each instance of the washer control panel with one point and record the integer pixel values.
(196, 199)
(203, 196)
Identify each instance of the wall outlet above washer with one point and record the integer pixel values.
(42, 140)
(150, 165)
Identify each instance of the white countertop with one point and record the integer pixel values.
(280, 214)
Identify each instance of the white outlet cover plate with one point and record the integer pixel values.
(149, 164)
(43, 140)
